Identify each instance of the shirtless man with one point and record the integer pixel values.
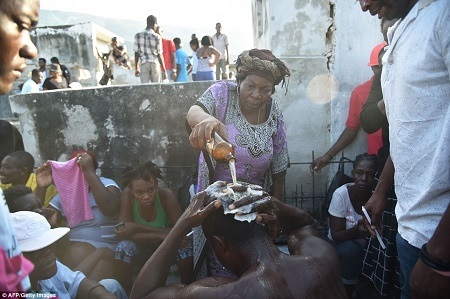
(247, 249)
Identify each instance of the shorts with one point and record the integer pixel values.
(132, 253)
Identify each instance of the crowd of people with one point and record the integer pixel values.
(67, 231)
(161, 60)
(56, 76)
(158, 59)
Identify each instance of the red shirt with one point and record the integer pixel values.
(357, 100)
(168, 48)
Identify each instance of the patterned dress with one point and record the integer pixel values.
(260, 150)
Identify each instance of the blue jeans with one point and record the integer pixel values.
(132, 253)
(407, 257)
(204, 76)
(351, 254)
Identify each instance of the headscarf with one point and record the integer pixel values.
(262, 63)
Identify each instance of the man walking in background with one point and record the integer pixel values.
(220, 42)
(169, 55)
(148, 52)
(183, 62)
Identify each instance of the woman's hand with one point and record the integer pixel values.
(44, 175)
(85, 162)
(362, 229)
(127, 231)
(51, 215)
(203, 131)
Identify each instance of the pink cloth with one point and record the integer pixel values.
(73, 190)
(13, 271)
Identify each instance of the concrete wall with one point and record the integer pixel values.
(74, 47)
(123, 125)
(5, 108)
(327, 45)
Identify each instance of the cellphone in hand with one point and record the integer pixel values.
(120, 226)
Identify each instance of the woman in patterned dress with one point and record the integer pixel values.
(247, 116)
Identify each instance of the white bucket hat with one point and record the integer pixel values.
(33, 232)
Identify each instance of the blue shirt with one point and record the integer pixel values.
(64, 283)
(182, 59)
(96, 232)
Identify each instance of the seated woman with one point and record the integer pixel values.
(21, 198)
(103, 199)
(347, 232)
(148, 213)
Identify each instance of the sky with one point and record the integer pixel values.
(234, 15)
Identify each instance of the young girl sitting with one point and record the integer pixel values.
(148, 212)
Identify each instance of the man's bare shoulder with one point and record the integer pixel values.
(274, 280)
(204, 288)
(250, 285)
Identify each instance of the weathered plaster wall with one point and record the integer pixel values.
(74, 47)
(326, 44)
(123, 125)
(355, 36)
(5, 109)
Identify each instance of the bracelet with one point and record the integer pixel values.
(442, 272)
(331, 157)
(431, 263)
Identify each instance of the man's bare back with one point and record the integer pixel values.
(311, 271)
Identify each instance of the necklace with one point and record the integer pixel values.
(259, 110)
(257, 122)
